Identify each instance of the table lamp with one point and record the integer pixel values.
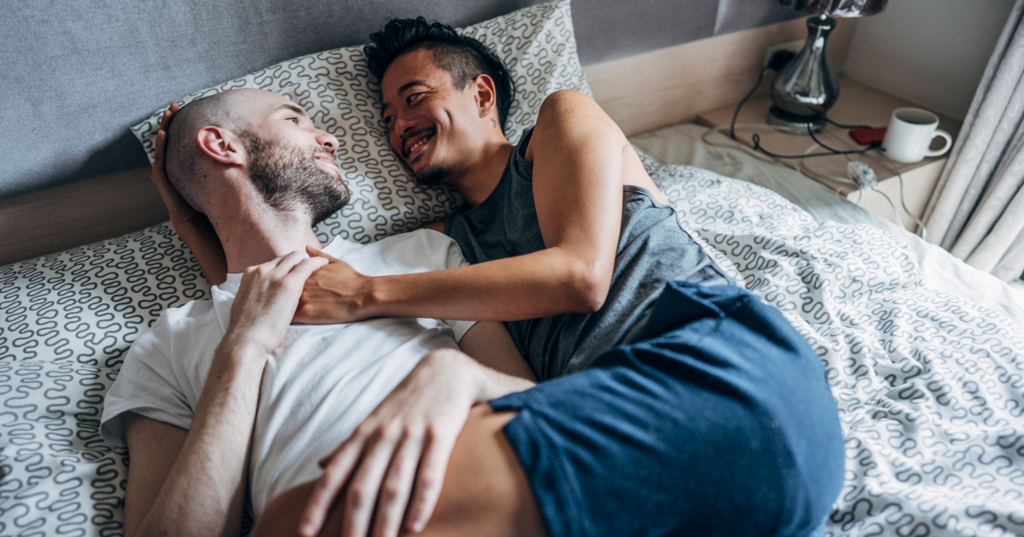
(807, 87)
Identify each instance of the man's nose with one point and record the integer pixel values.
(404, 125)
(327, 141)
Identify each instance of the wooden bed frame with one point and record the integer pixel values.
(641, 93)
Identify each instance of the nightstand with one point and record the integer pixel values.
(858, 104)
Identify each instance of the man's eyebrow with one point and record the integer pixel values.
(410, 84)
(293, 107)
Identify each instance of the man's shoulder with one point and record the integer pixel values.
(185, 320)
(191, 310)
(562, 106)
(569, 111)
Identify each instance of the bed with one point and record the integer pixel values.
(924, 355)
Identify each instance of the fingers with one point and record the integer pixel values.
(291, 267)
(313, 252)
(165, 121)
(161, 147)
(384, 478)
(429, 481)
(396, 489)
(267, 297)
(337, 469)
(158, 176)
(366, 482)
(161, 135)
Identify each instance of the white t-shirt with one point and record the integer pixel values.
(317, 386)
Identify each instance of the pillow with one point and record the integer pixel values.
(536, 43)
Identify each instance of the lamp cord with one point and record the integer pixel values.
(831, 152)
(760, 77)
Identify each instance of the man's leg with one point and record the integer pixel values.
(717, 422)
(485, 491)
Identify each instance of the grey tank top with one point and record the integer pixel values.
(652, 249)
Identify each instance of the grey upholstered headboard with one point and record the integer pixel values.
(76, 75)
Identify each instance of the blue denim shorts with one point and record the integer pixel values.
(716, 420)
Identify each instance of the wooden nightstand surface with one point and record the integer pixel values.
(858, 104)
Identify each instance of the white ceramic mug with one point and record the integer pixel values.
(910, 134)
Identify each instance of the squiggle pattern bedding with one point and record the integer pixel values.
(929, 386)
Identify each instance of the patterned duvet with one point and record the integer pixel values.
(930, 384)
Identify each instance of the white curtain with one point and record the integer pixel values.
(977, 209)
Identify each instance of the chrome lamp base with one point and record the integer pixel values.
(791, 123)
(805, 88)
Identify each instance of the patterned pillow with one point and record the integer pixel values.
(538, 46)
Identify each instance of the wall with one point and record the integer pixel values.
(931, 52)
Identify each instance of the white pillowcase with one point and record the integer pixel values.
(537, 45)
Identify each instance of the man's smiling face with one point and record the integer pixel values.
(427, 117)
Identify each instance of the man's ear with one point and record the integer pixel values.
(221, 145)
(486, 96)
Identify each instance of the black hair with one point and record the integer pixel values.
(463, 57)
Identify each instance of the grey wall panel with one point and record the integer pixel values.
(735, 15)
(74, 75)
(610, 29)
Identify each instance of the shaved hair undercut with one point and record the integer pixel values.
(463, 57)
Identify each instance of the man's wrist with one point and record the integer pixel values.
(376, 297)
(243, 349)
(489, 383)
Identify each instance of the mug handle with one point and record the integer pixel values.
(937, 152)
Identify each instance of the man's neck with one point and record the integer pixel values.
(253, 238)
(477, 181)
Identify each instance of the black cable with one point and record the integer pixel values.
(757, 147)
(760, 76)
(810, 131)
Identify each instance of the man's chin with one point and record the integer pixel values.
(431, 176)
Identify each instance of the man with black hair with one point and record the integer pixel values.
(464, 58)
(673, 402)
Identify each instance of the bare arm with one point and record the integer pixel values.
(489, 343)
(154, 447)
(193, 483)
(579, 157)
(191, 225)
(203, 491)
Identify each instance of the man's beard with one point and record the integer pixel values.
(431, 176)
(289, 178)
